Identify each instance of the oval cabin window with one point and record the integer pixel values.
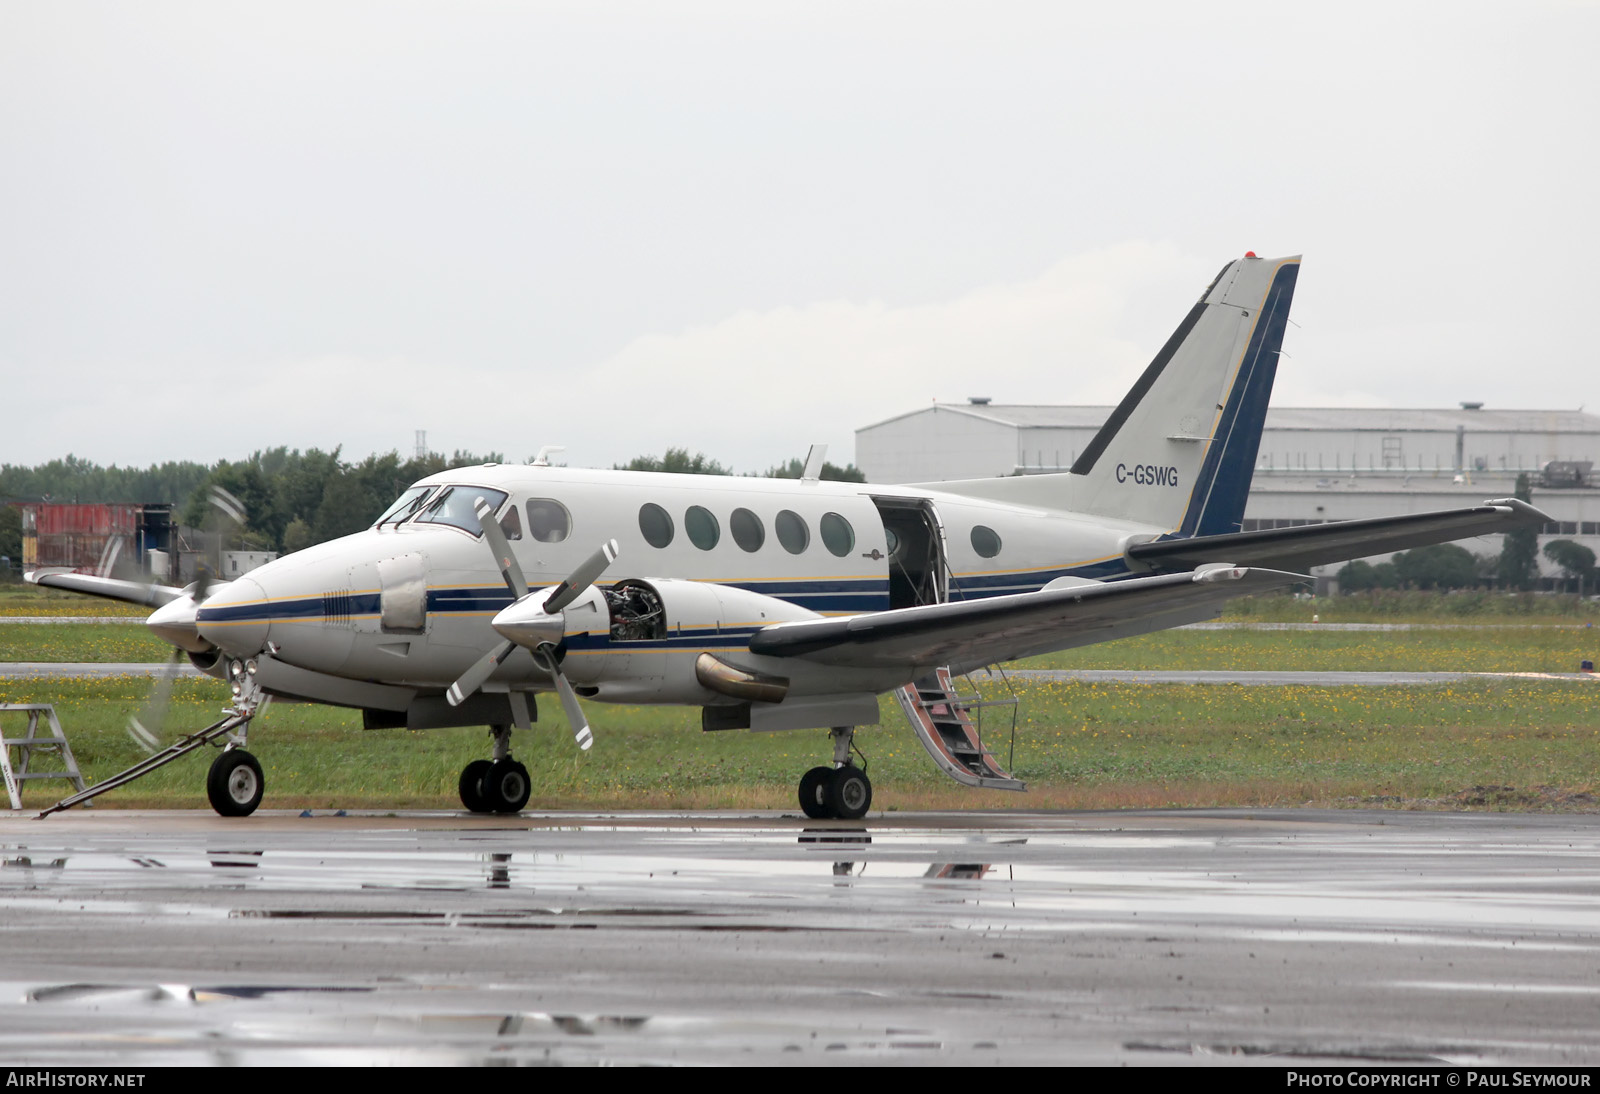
(655, 524)
(837, 535)
(701, 526)
(985, 541)
(792, 531)
(747, 530)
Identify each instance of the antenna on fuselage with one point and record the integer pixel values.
(543, 458)
(813, 468)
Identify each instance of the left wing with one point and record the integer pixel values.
(133, 592)
(972, 633)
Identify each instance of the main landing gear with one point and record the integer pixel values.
(500, 785)
(840, 792)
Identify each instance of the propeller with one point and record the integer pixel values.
(173, 622)
(534, 621)
(145, 727)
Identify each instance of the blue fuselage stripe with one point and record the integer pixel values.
(830, 596)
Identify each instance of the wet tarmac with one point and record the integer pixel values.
(138, 938)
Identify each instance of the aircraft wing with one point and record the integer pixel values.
(972, 633)
(151, 596)
(1338, 541)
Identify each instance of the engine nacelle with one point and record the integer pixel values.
(658, 628)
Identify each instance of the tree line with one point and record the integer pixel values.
(1450, 566)
(291, 499)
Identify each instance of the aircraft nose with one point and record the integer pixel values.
(234, 618)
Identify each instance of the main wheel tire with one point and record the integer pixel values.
(848, 792)
(813, 800)
(506, 786)
(235, 784)
(471, 786)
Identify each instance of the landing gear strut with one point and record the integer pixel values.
(234, 784)
(500, 785)
(840, 792)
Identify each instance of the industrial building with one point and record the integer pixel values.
(92, 537)
(124, 540)
(1314, 464)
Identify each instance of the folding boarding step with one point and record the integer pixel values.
(53, 745)
(943, 722)
(232, 720)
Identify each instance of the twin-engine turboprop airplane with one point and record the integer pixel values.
(771, 603)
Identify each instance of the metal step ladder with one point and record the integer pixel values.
(944, 724)
(54, 745)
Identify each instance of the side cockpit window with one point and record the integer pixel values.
(453, 505)
(548, 520)
(511, 523)
(405, 506)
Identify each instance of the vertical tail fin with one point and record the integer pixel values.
(1178, 452)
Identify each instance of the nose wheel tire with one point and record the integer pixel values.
(848, 793)
(505, 787)
(235, 784)
(471, 786)
(812, 799)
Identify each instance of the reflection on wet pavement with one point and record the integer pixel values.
(1006, 938)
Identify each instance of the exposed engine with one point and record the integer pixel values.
(637, 613)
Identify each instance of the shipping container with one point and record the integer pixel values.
(72, 518)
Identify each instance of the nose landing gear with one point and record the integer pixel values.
(840, 792)
(235, 783)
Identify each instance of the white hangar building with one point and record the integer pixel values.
(1314, 464)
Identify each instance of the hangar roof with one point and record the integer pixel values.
(1384, 419)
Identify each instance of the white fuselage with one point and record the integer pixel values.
(409, 603)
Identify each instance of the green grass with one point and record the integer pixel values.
(1436, 649)
(1413, 606)
(20, 599)
(88, 642)
(1512, 744)
(1478, 744)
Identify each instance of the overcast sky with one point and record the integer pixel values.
(744, 227)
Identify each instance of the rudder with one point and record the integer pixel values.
(1177, 453)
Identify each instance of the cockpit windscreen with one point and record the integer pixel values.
(454, 506)
(405, 506)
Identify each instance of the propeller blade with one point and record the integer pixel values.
(146, 727)
(575, 718)
(202, 583)
(473, 678)
(581, 578)
(496, 538)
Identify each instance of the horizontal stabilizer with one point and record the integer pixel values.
(973, 633)
(133, 592)
(1337, 541)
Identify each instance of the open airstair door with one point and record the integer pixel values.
(942, 719)
(917, 570)
(943, 722)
